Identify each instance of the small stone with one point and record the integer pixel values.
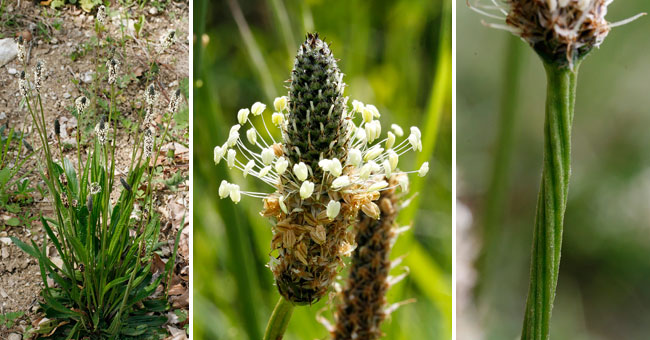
(3, 115)
(12, 71)
(5, 253)
(66, 95)
(153, 11)
(8, 51)
(87, 77)
(14, 336)
(173, 84)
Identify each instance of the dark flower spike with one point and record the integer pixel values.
(126, 185)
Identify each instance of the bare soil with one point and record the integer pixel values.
(61, 38)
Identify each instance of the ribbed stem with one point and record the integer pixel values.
(279, 320)
(551, 204)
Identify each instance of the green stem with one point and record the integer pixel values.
(279, 320)
(551, 202)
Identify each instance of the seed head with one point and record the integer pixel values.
(81, 103)
(560, 31)
(57, 127)
(151, 95)
(113, 66)
(20, 43)
(63, 179)
(101, 15)
(167, 40)
(147, 145)
(64, 199)
(22, 84)
(38, 75)
(101, 130)
(173, 103)
(95, 188)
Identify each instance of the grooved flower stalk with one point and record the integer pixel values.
(551, 204)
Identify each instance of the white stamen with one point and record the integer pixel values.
(249, 167)
(387, 168)
(231, 158)
(333, 209)
(373, 153)
(265, 171)
(300, 170)
(397, 129)
(306, 189)
(268, 156)
(341, 182)
(235, 194)
(224, 189)
(218, 154)
(280, 103)
(251, 135)
(354, 157)
(335, 168)
(277, 118)
(282, 205)
(393, 158)
(242, 116)
(390, 141)
(378, 186)
(258, 108)
(423, 169)
(281, 165)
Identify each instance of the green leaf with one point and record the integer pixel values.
(14, 222)
(55, 4)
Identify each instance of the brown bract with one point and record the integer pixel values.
(310, 246)
(561, 31)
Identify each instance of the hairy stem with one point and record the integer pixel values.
(279, 320)
(551, 202)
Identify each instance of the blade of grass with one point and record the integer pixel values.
(282, 19)
(236, 223)
(495, 197)
(254, 52)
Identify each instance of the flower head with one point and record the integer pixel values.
(39, 69)
(20, 44)
(22, 84)
(147, 143)
(167, 40)
(101, 130)
(81, 104)
(113, 66)
(101, 15)
(95, 188)
(561, 31)
(324, 171)
(173, 103)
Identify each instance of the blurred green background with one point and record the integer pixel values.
(395, 55)
(605, 271)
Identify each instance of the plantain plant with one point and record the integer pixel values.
(103, 287)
